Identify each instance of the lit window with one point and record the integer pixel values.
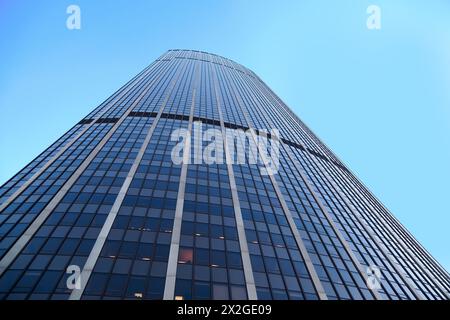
(185, 256)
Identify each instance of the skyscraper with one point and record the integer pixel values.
(195, 181)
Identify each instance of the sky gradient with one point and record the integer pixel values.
(380, 99)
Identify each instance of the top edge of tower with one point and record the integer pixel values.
(211, 57)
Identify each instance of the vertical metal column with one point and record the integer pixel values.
(14, 251)
(303, 251)
(248, 272)
(412, 257)
(101, 239)
(126, 89)
(341, 238)
(171, 275)
(372, 235)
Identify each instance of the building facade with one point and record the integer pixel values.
(257, 208)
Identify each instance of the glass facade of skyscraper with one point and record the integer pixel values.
(106, 213)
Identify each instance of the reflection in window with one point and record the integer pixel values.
(186, 255)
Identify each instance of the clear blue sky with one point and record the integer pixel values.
(380, 99)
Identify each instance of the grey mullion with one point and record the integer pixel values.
(293, 233)
(265, 105)
(12, 253)
(90, 137)
(403, 249)
(312, 242)
(336, 232)
(302, 126)
(343, 241)
(408, 253)
(383, 234)
(46, 154)
(303, 251)
(269, 102)
(169, 288)
(245, 255)
(101, 239)
(254, 185)
(185, 84)
(407, 236)
(316, 230)
(282, 113)
(344, 229)
(337, 235)
(379, 240)
(81, 239)
(61, 151)
(382, 258)
(124, 87)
